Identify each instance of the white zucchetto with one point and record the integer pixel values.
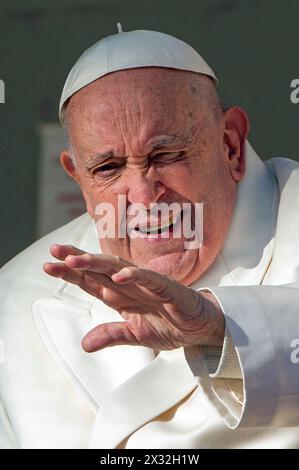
(133, 49)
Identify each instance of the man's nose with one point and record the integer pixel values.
(144, 187)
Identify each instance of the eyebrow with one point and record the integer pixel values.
(169, 140)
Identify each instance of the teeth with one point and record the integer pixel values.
(157, 228)
(154, 229)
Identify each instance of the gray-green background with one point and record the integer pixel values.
(251, 44)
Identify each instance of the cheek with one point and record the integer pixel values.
(186, 181)
(95, 195)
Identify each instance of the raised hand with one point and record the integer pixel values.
(159, 312)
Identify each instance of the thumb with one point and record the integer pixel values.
(107, 335)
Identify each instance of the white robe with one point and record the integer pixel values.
(54, 395)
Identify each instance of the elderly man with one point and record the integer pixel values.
(184, 347)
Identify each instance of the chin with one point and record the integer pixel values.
(177, 265)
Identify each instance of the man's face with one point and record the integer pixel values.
(146, 135)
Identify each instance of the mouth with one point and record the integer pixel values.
(154, 230)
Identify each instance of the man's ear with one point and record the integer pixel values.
(68, 164)
(235, 133)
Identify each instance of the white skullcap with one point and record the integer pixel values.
(128, 50)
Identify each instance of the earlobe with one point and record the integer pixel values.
(68, 164)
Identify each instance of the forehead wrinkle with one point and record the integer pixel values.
(151, 107)
(139, 110)
(162, 141)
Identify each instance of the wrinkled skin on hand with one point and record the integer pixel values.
(158, 312)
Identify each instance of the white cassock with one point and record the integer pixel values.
(54, 395)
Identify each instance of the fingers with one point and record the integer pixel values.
(62, 251)
(102, 264)
(108, 271)
(91, 282)
(62, 271)
(78, 259)
(157, 284)
(107, 335)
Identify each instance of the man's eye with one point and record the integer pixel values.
(108, 168)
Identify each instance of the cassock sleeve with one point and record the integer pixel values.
(253, 381)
